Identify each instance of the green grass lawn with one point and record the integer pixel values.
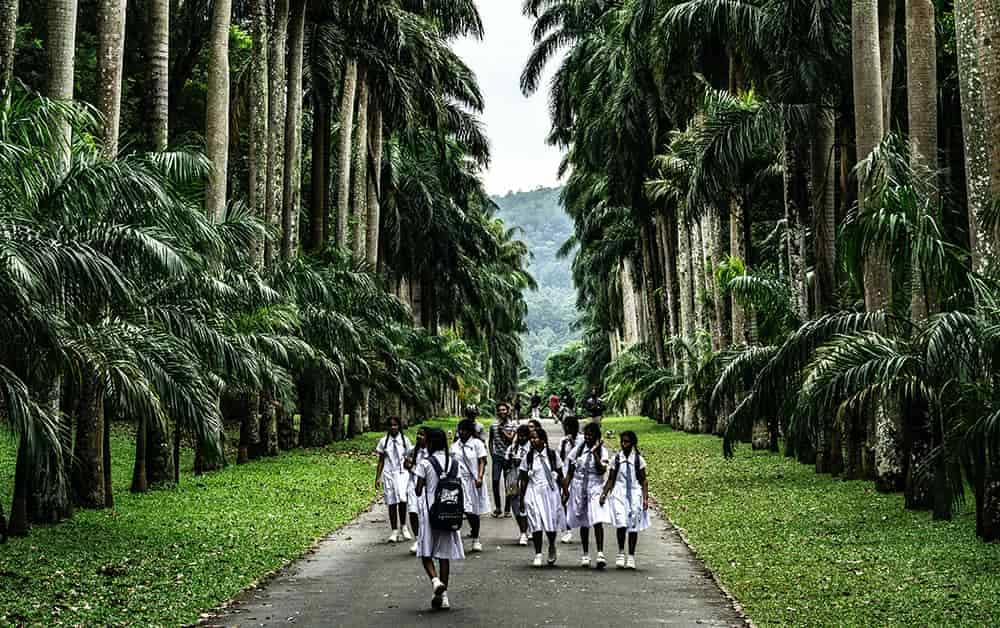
(161, 558)
(800, 549)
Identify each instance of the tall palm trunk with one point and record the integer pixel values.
(870, 128)
(829, 455)
(277, 104)
(217, 111)
(886, 45)
(714, 255)
(320, 155)
(88, 453)
(259, 157)
(666, 246)
(8, 38)
(292, 180)
(739, 248)
(698, 279)
(110, 53)
(159, 73)
(796, 184)
(685, 278)
(61, 45)
(347, 97)
(376, 141)
(647, 240)
(360, 194)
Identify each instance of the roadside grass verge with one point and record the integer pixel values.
(163, 557)
(797, 548)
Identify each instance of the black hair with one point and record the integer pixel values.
(593, 429)
(535, 423)
(635, 447)
(467, 425)
(571, 425)
(437, 440)
(388, 428)
(523, 430)
(540, 433)
(426, 430)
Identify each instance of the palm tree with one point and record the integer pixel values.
(159, 73)
(291, 196)
(277, 112)
(217, 110)
(258, 142)
(8, 39)
(347, 99)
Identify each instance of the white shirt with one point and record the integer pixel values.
(586, 463)
(536, 474)
(468, 454)
(628, 469)
(394, 449)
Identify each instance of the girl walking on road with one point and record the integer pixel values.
(413, 458)
(629, 491)
(582, 491)
(443, 546)
(541, 477)
(572, 439)
(470, 454)
(393, 478)
(517, 452)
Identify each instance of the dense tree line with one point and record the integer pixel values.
(786, 214)
(218, 213)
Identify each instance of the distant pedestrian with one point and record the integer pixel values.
(594, 406)
(554, 406)
(582, 491)
(517, 452)
(629, 491)
(433, 544)
(501, 436)
(471, 455)
(414, 457)
(536, 405)
(392, 477)
(517, 407)
(541, 477)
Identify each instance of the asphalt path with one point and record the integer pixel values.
(355, 578)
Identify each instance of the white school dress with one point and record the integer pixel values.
(584, 509)
(467, 455)
(542, 499)
(395, 477)
(625, 500)
(418, 455)
(566, 446)
(433, 543)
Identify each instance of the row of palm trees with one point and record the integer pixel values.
(335, 264)
(786, 214)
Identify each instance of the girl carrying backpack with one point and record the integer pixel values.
(629, 492)
(413, 458)
(434, 541)
(541, 477)
(587, 465)
(393, 478)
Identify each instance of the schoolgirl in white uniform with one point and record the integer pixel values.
(587, 464)
(470, 454)
(516, 452)
(541, 478)
(413, 458)
(572, 438)
(629, 491)
(392, 477)
(432, 544)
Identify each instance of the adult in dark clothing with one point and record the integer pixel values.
(594, 406)
(568, 399)
(536, 405)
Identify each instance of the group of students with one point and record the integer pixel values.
(577, 485)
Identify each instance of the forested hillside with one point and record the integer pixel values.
(552, 309)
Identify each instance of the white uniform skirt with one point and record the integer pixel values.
(621, 508)
(584, 511)
(545, 510)
(477, 500)
(395, 486)
(433, 543)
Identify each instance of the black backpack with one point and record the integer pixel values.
(448, 509)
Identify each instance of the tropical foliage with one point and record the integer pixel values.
(354, 268)
(772, 245)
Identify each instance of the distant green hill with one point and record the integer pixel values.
(552, 309)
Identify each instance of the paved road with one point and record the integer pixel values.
(356, 579)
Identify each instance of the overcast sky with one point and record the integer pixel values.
(517, 126)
